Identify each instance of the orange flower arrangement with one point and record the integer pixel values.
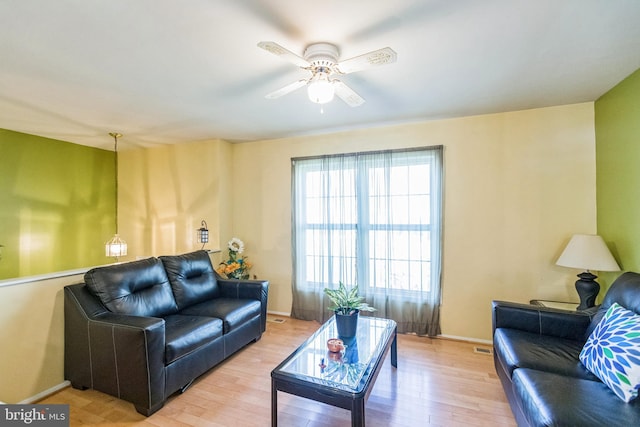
(236, 267)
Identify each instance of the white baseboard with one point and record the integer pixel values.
(279, 313)
(45, 393)
(449, 337)
(457, 338)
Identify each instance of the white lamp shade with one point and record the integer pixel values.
(116, 247)
(320, 90)
(588, 252)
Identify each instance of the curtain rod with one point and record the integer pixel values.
(359, 153)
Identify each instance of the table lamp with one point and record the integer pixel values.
(588, 252)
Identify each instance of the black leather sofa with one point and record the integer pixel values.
(536, 355)
(142, 330)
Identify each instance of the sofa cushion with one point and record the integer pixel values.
(234, 312)
(138, 288)
(519, 349)
(612, 352)
(549, 399)
(185, 334)
(192, 278)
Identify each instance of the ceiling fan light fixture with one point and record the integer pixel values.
(321, 60)
(320, 89)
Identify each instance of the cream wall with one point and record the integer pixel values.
(165, 192)
(517, 185)
(32, 337)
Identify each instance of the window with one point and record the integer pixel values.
(371, 219)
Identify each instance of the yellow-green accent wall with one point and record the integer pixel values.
(617, 125)
(57, 205)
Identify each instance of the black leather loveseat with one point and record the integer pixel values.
(143, 330)
(536, 354)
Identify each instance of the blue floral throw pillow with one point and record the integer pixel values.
(612, 352)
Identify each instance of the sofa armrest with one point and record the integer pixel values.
(541, 320)
(118, 354)
(248, 289)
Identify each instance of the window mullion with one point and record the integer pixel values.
(362, 226)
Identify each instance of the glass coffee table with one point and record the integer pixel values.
(343, 379)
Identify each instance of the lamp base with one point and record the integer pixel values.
(587, 289)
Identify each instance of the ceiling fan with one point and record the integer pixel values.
(321, 60)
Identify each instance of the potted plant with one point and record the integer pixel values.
(346, 304)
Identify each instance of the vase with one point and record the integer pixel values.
(347, 324)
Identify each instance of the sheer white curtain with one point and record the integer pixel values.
(371, 219)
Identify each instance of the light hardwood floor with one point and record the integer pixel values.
(437, 383)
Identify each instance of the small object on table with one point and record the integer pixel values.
(335, 345)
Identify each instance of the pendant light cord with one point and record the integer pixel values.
(116, 162)
(115, 137)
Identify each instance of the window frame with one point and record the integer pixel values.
(363, 226)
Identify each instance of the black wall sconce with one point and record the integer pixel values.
(203, 233)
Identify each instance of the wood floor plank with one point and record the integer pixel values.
(437, 383)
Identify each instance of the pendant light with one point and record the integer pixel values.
(116, 247)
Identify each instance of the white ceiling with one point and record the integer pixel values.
(167, 71)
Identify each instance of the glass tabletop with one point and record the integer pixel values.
(344, 370)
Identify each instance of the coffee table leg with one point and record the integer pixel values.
(357, 413)
(394, 350)
(274, 404)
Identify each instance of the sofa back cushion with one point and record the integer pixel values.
(192, 277)
(625, 291)
(138, 288)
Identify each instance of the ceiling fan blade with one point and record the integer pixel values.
(287, 89)
(377, 57)
(283, 53)
(347, 94)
